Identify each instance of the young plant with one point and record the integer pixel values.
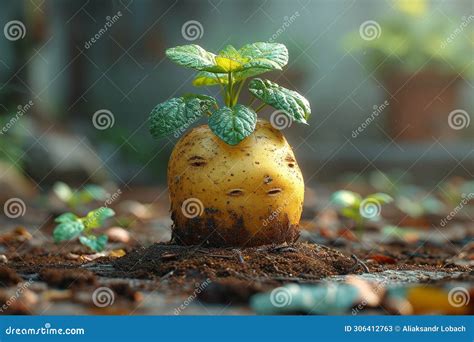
(76, 199)
(229, 69)
(359, 209)
(226, 179)
(71, 226)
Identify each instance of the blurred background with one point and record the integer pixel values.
(390, 84)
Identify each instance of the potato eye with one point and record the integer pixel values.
(235, 192)
(274, 192)
(197, 161)
(290, 160)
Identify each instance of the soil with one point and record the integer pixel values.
(61, 279)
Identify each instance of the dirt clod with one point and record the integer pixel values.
(67, 278)
(8, 277)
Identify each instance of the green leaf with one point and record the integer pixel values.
(380, 197)
(295, 106)
(96, 243)
(67, 230)
(96, 218)
(92, 192)
(233, 124)
(251, 60)
(66, 217)
(265, 55)
(346, 199)
(178, 113)
(230, 60)
(192, 56)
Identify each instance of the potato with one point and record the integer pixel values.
(244, 195)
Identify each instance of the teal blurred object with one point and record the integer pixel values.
(292, 298)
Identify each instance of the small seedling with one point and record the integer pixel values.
(229, 69)
(76, 199)
(71, 226)
(359, 209)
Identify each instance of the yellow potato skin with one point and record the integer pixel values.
(244, 195)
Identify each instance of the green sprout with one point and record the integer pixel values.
(359, 209)
(71, 226)
(229, 69)
(75, 199)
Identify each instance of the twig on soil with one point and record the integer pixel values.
(239, 255)
(358, 263)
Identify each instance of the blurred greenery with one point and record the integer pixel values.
(416, 37)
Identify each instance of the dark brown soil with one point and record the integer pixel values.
(8, 277)
(299, 261)
(67, 278)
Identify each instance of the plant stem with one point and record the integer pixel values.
(259, 108)
(237, 94)
(229, 90)
(252, 100)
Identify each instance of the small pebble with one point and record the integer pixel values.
(118, 234)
